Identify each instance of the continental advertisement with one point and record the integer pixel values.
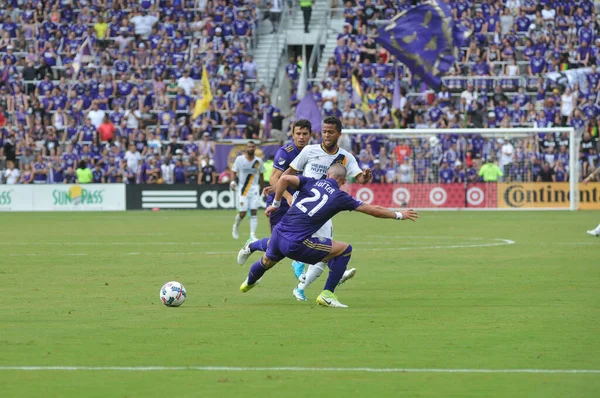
(540, 195)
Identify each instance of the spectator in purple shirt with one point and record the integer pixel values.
(537, 64)
(40, 171)
(378, 173)
(446, 173)
(584, 55)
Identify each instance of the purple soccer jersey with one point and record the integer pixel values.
(284, 156)
(317, 202)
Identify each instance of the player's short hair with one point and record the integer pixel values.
(303, 124)
(334, 121)
(250, 142)
(336, 171)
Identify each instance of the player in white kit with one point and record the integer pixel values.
(248, 182)
(314, 161)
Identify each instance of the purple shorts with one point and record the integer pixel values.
(308, 251)
(276, 217)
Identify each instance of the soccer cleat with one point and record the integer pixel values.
(245, 286)
(349, 274)
(328, 299)
(299, 294)
(245, 252)
(594, 232)
(234, 232)
(298, 269)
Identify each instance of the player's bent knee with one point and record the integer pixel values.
(267, 262)
(337, 249)
(348, 251)
(242, 214)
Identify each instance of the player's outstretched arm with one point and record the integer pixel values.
(273, 180)
(275, 176)
(284, 182)
(593, 176)
(382, 212)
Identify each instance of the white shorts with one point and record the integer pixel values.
(248, 202)
(326, 231)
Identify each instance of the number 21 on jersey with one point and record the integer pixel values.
(316, 196)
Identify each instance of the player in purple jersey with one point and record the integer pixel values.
(595, 175)
(316, 203)
(284, 156)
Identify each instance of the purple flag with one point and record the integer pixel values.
(308, 109)
(424, 39)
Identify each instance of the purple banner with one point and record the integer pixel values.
(225, 154)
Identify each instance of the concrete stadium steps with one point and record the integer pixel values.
(266, 55)
(295, 32)
(335, 28)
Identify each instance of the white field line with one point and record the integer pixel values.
(499, 242)
(570, 243)
(159, 243)
(290, 369)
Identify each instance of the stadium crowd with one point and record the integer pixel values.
(127, 113)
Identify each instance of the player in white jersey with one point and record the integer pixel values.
(314, 161)
(248, 182)
(594, 176)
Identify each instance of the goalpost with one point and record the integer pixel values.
(415, 173)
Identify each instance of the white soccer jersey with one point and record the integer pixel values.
(248, 172)
(314, 162)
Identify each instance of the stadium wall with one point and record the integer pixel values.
(120, 197)
(503, 196)
(203, 197)
(67, 197)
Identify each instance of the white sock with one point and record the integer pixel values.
(253, 225)
(314, 271)
(238, 220)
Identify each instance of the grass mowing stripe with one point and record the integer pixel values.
(502, 242)
(290, 369)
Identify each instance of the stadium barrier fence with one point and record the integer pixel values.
(62, 197)
(478, 196)
(433, 196)
(203, 197)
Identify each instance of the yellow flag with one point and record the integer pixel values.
(205, 98)
(358, 97)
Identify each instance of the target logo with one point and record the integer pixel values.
(365, 195)
(438, 196)
(401, 196)
(475, 196)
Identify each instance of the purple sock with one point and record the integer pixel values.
(337, 267)
(257, 271)
(260, 245)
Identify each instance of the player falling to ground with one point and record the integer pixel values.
(318, 162)
(248, 180)
(594, 176)
(301, 132)
(317, 201)
(314, 161)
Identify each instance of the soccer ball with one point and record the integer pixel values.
(172, 294)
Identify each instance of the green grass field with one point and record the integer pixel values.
(448, 292)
